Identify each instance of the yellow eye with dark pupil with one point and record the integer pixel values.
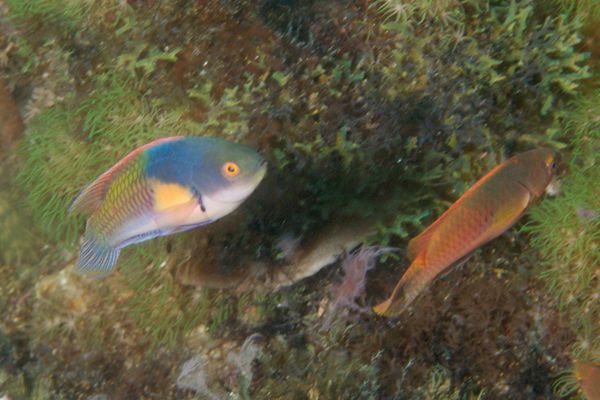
(231, 169)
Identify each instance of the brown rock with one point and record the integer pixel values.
(11, 124)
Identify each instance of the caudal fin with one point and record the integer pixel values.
(383, 308)
(96, 258)
(414, 280)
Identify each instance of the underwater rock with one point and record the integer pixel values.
(63, 306)
(223, 367)
(3, 377)
(11, 124)
(208, 272)
(64, 290)
(193, 377)
(312, 111)
(238, 372)
(98, 397)
(586, 214)
(6, 346)
(242, 360)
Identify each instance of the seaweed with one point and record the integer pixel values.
(87, 139)
(488, 85)
(409, 14)
(565, 231)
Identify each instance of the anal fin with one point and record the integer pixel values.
(176, 215)
(159, 232)
(142, 237)
(183, 228)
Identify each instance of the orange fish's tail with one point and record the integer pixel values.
(414, 280)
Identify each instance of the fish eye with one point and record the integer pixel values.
(231, 169)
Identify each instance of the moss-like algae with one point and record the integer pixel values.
(566, 231)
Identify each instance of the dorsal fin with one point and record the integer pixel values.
(417, 244)
(92, 196)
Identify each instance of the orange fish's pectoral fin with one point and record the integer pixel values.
(418, 244)
(414, 280)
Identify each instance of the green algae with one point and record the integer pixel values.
(317, 373)
(70, 144)
(504, 56)
(20, 243)
(409, 14)
(565, 230)
(56, 11)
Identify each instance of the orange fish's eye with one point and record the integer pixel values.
(231, 169)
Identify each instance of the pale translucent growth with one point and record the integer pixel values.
(352, 285)
(193, 377)
(243, 359)
(287, 246)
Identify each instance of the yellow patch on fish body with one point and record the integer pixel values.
(169, 195)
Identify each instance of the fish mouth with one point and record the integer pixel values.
(262, 171)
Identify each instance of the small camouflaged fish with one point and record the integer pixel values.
(588, 377)
(167, 186)
(482, 213)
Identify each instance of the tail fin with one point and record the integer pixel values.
(96, 258)
(414, 280)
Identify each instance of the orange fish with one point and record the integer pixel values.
(483, 212)
(588, 377)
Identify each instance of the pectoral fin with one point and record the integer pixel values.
(177, 215)
(175, 205)
(418, 244)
